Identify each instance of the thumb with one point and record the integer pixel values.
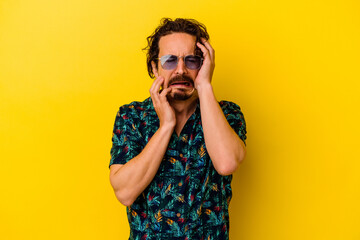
(165, 92)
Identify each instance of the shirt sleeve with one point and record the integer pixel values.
(235, 118)
(126, 138)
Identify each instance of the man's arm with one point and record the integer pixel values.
(224, 146)
(130, 180)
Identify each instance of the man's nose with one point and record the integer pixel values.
(181, 68)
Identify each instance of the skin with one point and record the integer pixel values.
(224, 146)
(177, 112)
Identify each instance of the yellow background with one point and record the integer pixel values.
(292, 66)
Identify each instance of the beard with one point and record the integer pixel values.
(181, 94)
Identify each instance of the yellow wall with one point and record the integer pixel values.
(292, 66)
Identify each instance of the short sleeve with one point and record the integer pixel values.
(235, 118)
(126, 138)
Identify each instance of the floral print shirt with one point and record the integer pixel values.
(187, 199)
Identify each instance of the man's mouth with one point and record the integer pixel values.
(181, 83)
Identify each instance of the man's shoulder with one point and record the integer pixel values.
(231, 110)
(136, 109)
(228, 104)
(136, 106)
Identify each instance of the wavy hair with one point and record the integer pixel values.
(168, 26)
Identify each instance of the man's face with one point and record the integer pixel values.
(181, 79)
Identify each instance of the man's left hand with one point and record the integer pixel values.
(206, 71)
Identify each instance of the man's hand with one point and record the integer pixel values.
(206, 71)
(129, 180)
(224, 146)
(162, 107)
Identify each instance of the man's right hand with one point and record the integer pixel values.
(129, 180)
(162, 107)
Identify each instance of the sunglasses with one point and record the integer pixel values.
(170, 62)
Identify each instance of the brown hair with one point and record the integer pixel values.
(168, 26)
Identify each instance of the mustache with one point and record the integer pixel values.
(181, 78)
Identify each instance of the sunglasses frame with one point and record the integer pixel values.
(177, 60)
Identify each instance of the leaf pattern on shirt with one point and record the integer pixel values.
(187, 199)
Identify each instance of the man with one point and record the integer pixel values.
(173, 154)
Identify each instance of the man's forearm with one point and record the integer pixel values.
(131, 179)
(224, 146)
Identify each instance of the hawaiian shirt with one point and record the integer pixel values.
(187, 199)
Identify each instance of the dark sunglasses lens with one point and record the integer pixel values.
(193, 62)
(169, 62)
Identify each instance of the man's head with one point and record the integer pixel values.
(175, 42)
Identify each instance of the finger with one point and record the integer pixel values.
(164, 93)
(152, 86)
(159, 84)
(203, 49)
(154, 90)
(209, 47)
(155, 99)
(154, 69)
(156, 84)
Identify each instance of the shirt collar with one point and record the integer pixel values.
(149, 107)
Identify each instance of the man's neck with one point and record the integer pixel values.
(183, 111)
(184, 108)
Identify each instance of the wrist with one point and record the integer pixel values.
(204, 88)
(166, 128)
